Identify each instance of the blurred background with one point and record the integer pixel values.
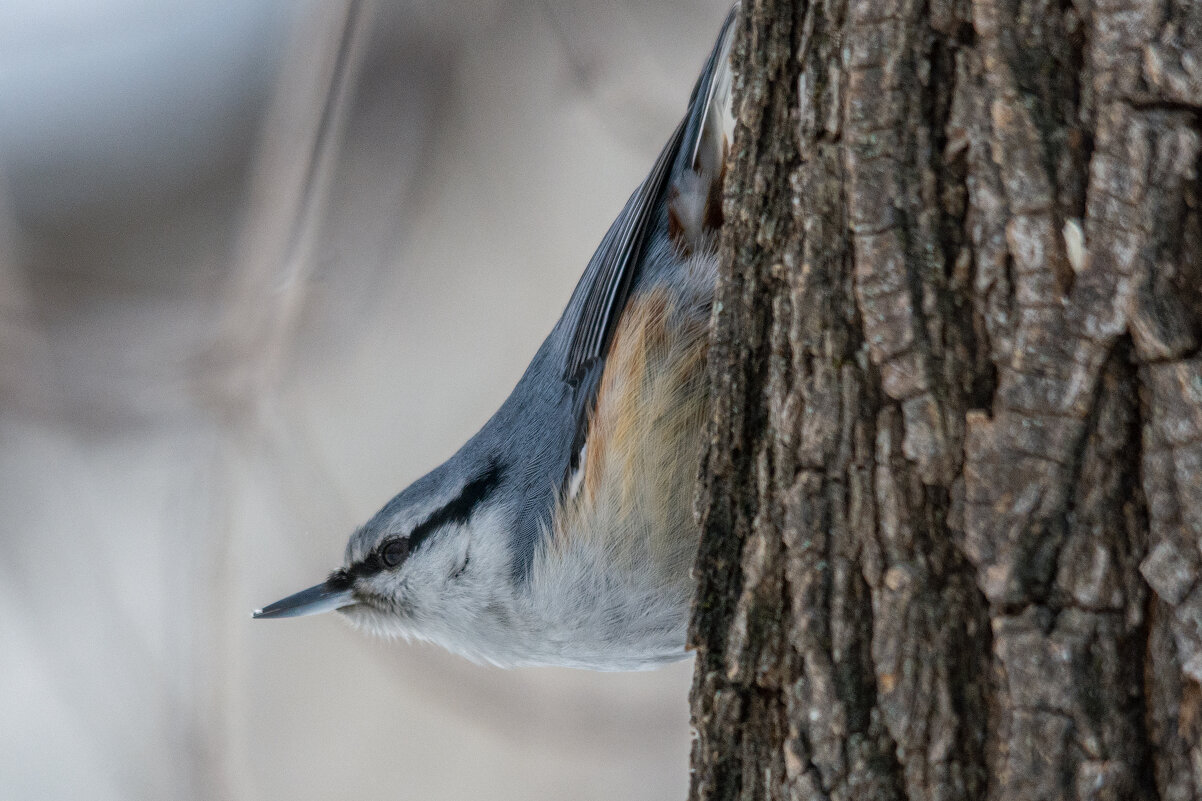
(261, 265)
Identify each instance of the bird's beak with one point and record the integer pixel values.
(313, 601)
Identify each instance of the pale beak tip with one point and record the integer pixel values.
(315, 600)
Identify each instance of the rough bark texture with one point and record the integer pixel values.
(952, 497)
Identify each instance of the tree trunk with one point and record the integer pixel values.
(952, 494)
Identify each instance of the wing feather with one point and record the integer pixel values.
(614, 267)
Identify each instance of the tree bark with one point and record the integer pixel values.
(951, 499)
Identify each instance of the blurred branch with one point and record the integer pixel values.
(299, 148)
(24, 357)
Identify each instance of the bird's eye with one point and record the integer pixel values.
(394, 551)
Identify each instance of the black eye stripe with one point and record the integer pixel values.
(344, 578)
(458, 510)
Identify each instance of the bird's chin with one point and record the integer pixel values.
(377, 622)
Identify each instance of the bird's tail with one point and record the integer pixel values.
(695, 193)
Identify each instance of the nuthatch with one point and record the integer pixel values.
(562, 533)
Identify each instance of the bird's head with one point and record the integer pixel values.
(425, 565)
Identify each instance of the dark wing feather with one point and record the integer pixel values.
(612, 270)
(605, 286)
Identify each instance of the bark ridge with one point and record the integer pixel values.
(951, 498)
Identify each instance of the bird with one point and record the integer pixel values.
(562, 532)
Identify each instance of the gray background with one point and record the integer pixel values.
(262, 264)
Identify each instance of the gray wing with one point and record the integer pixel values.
(612, 270)
(607, 279)
(560, 386)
